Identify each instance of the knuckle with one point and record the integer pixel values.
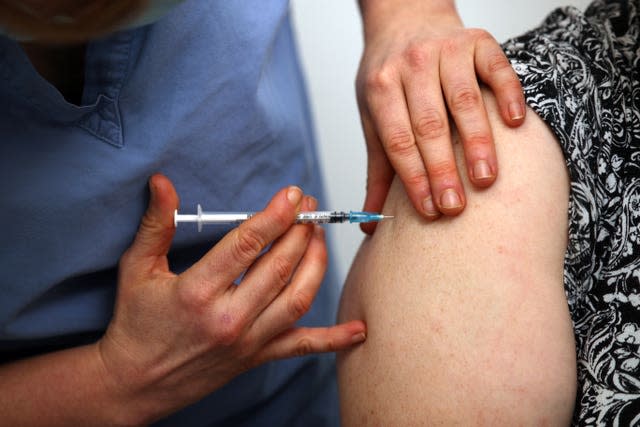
(450, 47)
(417, 56)
(416, 179)
(442, 170)
(497, 62)
(379, 80)
(247, 245)
(298, 304)
(227, 329)
(478, 140)
(329, 346)
(400, 142)
(430, 125)
(303, 347)
(464, 99)
(480, 34)
(512, 84)
(282, 268)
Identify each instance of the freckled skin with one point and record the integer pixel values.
(467, 319)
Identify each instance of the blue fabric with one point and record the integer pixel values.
(212, 96)
(153, 10)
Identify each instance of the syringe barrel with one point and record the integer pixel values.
(321, 217)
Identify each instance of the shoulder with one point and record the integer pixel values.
(462, 312)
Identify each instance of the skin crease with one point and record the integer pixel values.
(467, 319)
(420, 64)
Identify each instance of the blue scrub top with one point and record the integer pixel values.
(213, 97)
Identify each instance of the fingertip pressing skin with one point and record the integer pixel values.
(451, 202)
(515, 113)
(402, 76)
(482, 173)
(378, 184)
(510, 99)
(368, 228)
(390, 126)
(303, 341)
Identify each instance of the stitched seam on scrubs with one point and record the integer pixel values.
(110, 129)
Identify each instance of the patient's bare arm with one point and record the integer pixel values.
(467, 318)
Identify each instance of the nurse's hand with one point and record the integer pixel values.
(419, 65)
(175, 338)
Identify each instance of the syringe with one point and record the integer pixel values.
(315, 217)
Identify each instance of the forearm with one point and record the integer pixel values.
(376, 14)
(65, 388)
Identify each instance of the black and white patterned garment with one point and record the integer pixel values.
(581, 74)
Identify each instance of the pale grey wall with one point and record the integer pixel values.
(330, 43)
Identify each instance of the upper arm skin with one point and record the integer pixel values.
(467, 320)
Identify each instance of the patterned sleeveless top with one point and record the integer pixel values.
(580, 73)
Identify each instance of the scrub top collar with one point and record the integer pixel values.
(108, 62)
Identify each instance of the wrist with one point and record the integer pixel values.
(123, 404)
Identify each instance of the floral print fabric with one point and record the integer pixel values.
(580, 73)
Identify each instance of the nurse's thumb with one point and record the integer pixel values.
(156, 230)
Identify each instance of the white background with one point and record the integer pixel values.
(330, 42)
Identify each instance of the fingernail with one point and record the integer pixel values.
(294, 194)
(429, 207)
(313, 203)
(516, 111)
(358, 338)
(482, 170)
(450, 199)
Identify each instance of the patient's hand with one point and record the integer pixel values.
(420, 65)
(467, 319)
